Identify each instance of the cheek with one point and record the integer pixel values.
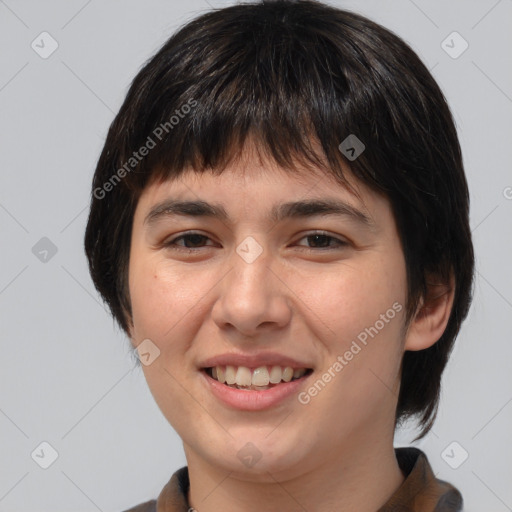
(353, 296)
(165, 300)
(147, 294)
(361, 310)
(378, 304)
(163, 294)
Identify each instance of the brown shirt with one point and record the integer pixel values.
(421, 491)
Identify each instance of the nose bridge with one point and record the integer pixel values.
(251, 295)
(250, 250)
(251, 261)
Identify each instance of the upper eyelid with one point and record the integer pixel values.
(338, 238)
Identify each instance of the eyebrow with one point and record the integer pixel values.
(290, 210)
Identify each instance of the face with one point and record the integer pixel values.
(320, 291)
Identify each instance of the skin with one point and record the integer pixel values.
(296, 298)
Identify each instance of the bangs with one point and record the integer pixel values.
(293, 98)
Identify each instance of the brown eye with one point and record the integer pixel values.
(191, 241)
(322, 240)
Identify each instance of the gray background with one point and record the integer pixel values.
(66, 373)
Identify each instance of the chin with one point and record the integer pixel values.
(263, 458)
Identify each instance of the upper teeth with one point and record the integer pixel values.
(261, 376)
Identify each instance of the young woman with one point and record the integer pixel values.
(279, 222)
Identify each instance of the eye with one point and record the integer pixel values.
(195, 239)
(321, 239)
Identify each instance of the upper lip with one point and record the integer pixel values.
(254, 361)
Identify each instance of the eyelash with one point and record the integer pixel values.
(171, 244)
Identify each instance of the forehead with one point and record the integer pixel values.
(249, 174)
(251, 189)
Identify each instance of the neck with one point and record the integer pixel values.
(361, 478)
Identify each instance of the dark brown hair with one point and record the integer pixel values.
(289, 74)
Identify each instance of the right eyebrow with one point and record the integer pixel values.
(279, 212)
(171, 207)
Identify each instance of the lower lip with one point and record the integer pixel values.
(253, 400)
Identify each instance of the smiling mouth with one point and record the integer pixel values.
(257, 379)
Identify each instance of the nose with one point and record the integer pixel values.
(253, 297)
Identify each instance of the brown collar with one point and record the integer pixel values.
(421, 491)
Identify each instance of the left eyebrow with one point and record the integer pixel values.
(279, 212)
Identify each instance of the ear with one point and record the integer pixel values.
(432, 315)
